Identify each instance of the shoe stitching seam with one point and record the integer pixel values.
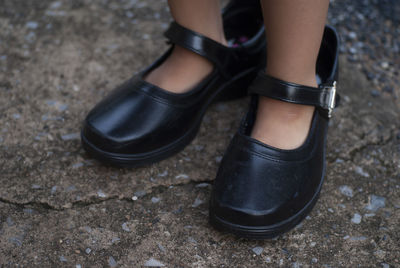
(252, 152)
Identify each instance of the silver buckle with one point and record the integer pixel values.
(331, 98)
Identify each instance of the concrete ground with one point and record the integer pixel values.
(59, 207)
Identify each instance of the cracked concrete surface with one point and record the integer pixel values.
(59, 207)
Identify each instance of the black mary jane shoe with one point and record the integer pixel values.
(140, 123)
(261, 191)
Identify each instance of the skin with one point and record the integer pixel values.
(184, 69)
(294, 30)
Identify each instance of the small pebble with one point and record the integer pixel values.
(380, 254)
(375, 203)
(32, 25)
(192, 240)
(202, 185)
(163, 174)
(115, 239)
(71, 188)
(28, 210)
(16, 241)
(346, 190)
(339, 161)
(125, 227)
(55, 5)
(358, 238)
(182, 176)
(55, 13)
(375, 93)
(356, 218)
(70, 136)
(197, 202)
(30, 37)
(140, 193)
(296, 265)
(385, 65)
(16, 116)
(361, 172)
(155, 199)
(153, 263)
(101, 194)
(352, 35)
(218, 159)
(112, 262)
(199, 147)
(77, 165)
(161, 247)
(258, 250)
(129, 14)
(353, 50)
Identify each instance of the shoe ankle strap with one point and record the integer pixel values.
(202, 45)
(324, 97)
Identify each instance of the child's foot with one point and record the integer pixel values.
(281, 124)
(181, 71)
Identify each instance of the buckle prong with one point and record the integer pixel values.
(332, 98)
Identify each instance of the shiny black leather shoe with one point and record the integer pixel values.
(140, 123)
(261, 191)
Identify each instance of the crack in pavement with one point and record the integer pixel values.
(92, 200)
(383, 142)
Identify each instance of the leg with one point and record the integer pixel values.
(294, 31)
(184, 69)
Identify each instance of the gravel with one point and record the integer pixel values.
(258, 250)
(125, 227)
(356, 218)
(70, 136)
(360, 171)
(32, 25)
(153, 263)
(375, 203)
(155, 199)
(112, 262)
(197, 202)
(367, 29)
(346, 190)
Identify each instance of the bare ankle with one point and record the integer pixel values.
(284, 110)
(281, 124)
